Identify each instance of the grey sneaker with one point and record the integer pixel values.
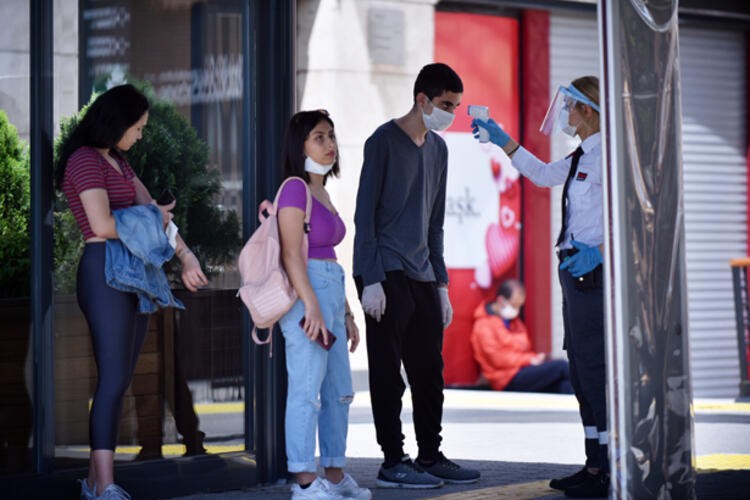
(406, 474)
(450, 472)
(87, 493)
(113, 492)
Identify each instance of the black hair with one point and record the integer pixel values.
(104, 123)
(436, 78)
(293, 149)
(507, 288)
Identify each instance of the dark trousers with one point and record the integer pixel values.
(411, 330)
(117, 334)
(583, 317)
(550, 376)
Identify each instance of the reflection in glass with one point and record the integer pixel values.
(186, 394)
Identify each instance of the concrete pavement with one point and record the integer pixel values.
(519, 441)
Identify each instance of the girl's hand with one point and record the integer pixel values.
(166, 213)
(192, 274)
(314, 325)
(352, 332)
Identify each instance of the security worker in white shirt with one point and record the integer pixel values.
(575, 111)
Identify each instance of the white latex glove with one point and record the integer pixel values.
(373, 300)
(445, 306)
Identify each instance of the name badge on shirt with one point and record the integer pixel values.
(581, 176)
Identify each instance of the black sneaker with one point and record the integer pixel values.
(595, 486)
(406, 474)
(451, 472)
(566, 482)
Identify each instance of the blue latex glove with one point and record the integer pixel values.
(497, 134)
(584, 261)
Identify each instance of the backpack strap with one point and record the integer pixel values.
(268, 340)
(308, 207)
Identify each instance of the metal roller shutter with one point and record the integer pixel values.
(715, 174)
(713, 84)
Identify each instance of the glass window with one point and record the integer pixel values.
(15, 210)
(186, 395)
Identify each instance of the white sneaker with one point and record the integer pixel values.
(87, 492)
(113, 492)
(318, 490)
(348, 488)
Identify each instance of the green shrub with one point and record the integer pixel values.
(15, 210)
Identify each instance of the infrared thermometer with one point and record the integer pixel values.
(481, 113)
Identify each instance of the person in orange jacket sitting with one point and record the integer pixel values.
(503, 350)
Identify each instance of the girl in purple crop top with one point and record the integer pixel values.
(315, 373)
(326, 227)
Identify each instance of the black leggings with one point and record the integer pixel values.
(117, 333)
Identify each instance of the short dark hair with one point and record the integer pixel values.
(293, 149)
(104, 123)
(507, 288)
(436, 78)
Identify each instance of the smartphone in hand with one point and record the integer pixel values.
(165, 198)
(319, 338)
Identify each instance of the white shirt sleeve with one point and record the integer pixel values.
(540, 173)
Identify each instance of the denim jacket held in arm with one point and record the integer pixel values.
(134, 262)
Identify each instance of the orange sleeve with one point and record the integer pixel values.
(499, 347)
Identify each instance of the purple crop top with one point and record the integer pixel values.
(326, 229)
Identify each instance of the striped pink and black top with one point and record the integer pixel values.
(88, 169)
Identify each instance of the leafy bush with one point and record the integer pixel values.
(15, 212)
(170, 155)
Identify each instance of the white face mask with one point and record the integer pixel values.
(508, 312)
(316, 168)
(567, 129)
(438, 120)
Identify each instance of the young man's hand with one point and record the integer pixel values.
(373, 300)
(445, 306)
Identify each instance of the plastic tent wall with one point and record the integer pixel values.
(651, 428)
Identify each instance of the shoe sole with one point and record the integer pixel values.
(459, 481)
(409, 486)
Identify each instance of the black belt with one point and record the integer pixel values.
(566, 252)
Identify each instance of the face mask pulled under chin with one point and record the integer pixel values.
(316, 168)
(438, 120)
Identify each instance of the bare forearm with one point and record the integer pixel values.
(295, 268)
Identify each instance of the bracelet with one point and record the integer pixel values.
(185, 250)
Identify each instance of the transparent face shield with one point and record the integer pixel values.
(559, 109)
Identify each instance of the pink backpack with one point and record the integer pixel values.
(266, 289)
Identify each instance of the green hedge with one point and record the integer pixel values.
(15, 206)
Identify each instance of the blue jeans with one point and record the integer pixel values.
(320, 382)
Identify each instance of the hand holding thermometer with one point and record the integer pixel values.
(481, 113)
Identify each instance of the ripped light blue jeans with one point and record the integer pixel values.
(320, 382)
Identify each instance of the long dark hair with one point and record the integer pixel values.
(293, 151)
(104, 124)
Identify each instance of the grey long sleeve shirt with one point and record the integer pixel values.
(401, 207)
